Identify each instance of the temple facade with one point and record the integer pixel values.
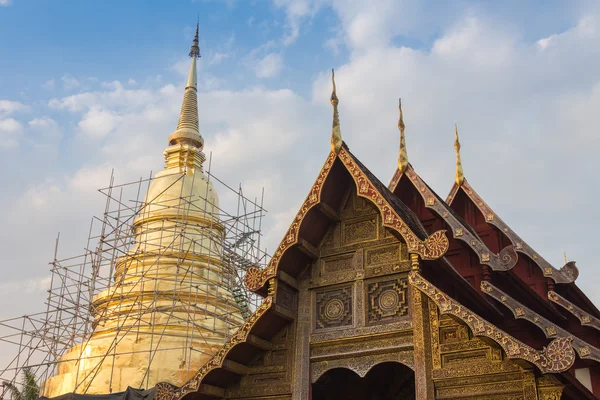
(391, 292)
(375, 292)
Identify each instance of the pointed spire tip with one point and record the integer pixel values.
(336, 133)
(460, 176)
(403, 154)
(195, 49)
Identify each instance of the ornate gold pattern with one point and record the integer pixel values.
(387, 300)
(361, 365)
(166, 391)
(431, 248)
(434, 325)
(557, 357)
(550, 329)
(334, 307)
(585, 318)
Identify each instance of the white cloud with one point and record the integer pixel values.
(269, 66)
(8, 107)
(526, 114)
(49, 84)
(5, 2)
(10, 131)
(98, 123)
(48, 128)
(70, 82)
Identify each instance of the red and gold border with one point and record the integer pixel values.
(567, 274)
(584, 317)
(559, 356)
(434, 247)
(503, 261)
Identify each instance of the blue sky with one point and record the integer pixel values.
(86, 87)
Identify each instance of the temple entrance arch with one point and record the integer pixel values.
(385, 381)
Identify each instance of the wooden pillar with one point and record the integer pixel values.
(424, 389)
(301, 385)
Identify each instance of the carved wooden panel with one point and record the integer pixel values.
(359, 230)
(387, 300)
(384, 255)
(336, 264)
(270, 372)
(334, 307)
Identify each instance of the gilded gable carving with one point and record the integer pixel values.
(383, 255)
(387, 300)
(360, 230)
(337, 263)
(334, 307)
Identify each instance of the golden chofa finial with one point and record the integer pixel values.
(460, 176)
(403, 156)
(336, 133)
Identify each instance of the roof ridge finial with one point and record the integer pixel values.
(460, 176)
(195, 49)
(336, 133)
(403, 156)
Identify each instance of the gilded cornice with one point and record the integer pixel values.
(434, 247)
(503, 261)
(166, 391)
(559, 356)
(584, 317)
(567, 274)
(551, 330)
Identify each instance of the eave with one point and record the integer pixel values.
(503, 261)
(567, 274)
(394, 215)
(557, 357)
(223, 361)
(551, 331)
(584, 317)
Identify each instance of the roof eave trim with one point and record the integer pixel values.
(431, 248)
(550, 329)
(557, 357)
(567, 274)
(167, 391)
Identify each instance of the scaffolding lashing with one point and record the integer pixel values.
(116, 290)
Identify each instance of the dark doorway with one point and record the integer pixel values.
(387, 381)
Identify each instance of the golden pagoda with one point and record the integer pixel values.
(168, 308)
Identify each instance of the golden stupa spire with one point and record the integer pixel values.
(460, 176)
(403, 156)
(188, 130)
(336, 133)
